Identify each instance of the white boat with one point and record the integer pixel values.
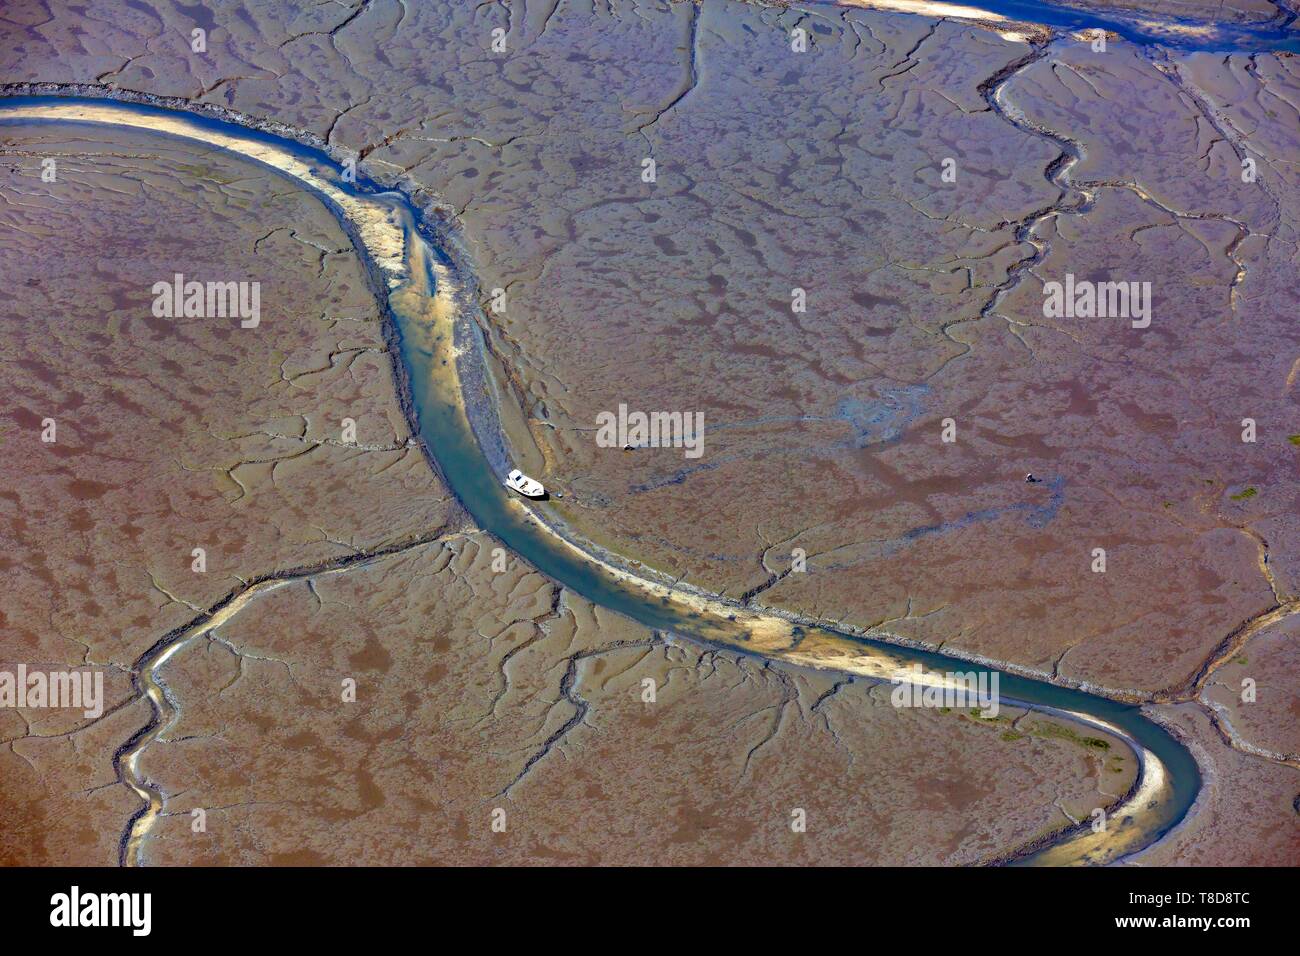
(528, 487)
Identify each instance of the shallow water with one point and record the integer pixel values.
(1177, 33)
(430, 305)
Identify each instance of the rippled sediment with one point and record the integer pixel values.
(429, 304)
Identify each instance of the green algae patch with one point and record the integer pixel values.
(1057, 732)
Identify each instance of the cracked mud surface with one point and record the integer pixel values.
(545, 692)
(774, 171)
(1245, 815)
(172, 434)
(253, 731)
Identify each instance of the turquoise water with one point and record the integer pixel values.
(464, 468)
(461, 462)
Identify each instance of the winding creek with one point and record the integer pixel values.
(431, 304)
(1275, 34)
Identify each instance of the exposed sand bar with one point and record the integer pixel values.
(1183, 33)
(426, 300)
(926, 8)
